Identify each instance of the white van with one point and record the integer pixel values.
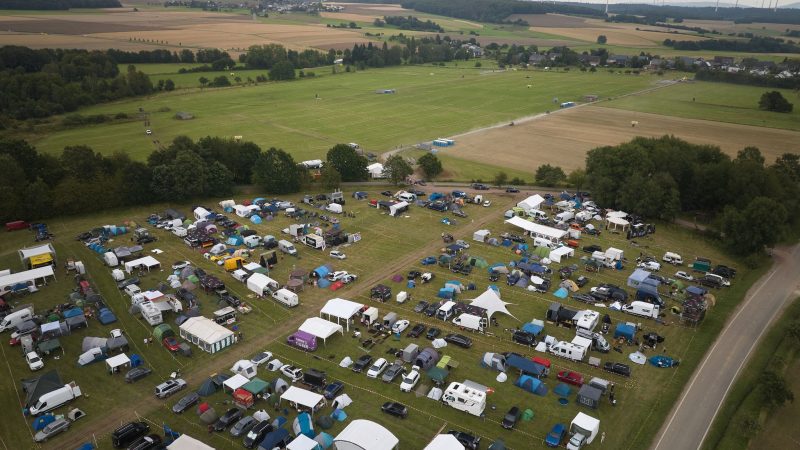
(471, 322)
(719, 279)
(15, 318)
(565, 216)
(54, 399)
(180, 231)
(543, 242)
(286, 297)
(672, 258)
(446, 311)
(568, 350)
(407, 197)
(334, 208)
(643, 309)
(537, 214)
(287, 247)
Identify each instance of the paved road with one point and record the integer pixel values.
(692, 416)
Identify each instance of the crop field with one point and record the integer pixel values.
(554, 139)
(430, 102)
(387, 248)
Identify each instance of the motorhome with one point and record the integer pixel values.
(672, 258)
(466, 396)
(587, 319)
(15, 318)
(643, 309)
(287, 247)
(286, 297)
(565, 216)
(537, 214)
(599, 343)
(225, 316)
(446, 310)
(150, 313)
(568, 350)
(471, 322)
(54, 399)
(314, 241)
(543, 242)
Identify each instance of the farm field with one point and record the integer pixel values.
(431, 102)
(376, 258)
(554, 139)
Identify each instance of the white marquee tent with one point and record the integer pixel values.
(116, 362)
(206, 334)
(301, 397)
(341, 309)
(617, 222)
(490, 301)
(561, 252)
(235, 382)
(260, 283)
(148, 261)
(186, 442)
(27, 253)
(28, 276)
(535, 229)
(444, 442)
(363, 434)
(320, 328)
(532, 202)
(303, 442)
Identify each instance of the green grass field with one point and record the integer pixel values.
(648, 395)
(430, 102)
(721, 102)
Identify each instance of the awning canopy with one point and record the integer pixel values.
(302, 442)
(302, 397)
(444, 442)
(25, 277)
(235, 382)
(367, 435)
(118, 360)
(617, 222)
(341, 309)
(537, 229)
(148, 261)
(320, 328)
(490, 301)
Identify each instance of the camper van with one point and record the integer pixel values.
(407, 197)
(565, 216)
(287, 247)
(54, 399)
(302, 340)
(599, 343)
(286, 297)
(150, 313)
(537, 214)
(543, 242)
(583, 430)
(672, 258)
(643, 309)
(471, 322)
(15, 318)
(587, 319)
(446, 311)
(568, 350)
(314, 241)
(465, 397)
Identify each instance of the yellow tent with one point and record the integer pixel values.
(41, 260)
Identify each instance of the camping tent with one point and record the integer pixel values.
(561, 252)
(244, 367)
(148, 262)
(531, 384)
(206, 334)
(341, 309)
(624, 330)
(303, 442)
(320, 328)
(494, 361)
(261, 284)
(118, 362)
(186, 442)
(301, 397)
(208, 387)
(363, 434)
(444, 442)
(481, 235)
(162, 331)
(36, 387)
(637, 277)
(490, 301)
(589, 396)
(532, 202)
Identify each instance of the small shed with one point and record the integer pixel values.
(589, 396)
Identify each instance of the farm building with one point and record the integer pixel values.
(206, 334)
(365, 435)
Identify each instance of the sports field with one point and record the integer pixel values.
(307, 117)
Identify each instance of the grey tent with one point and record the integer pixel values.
(186, 272)
(75, 322)
(209, 416)
(494, 361)
(93, 342)
(207, 388)
(324, 421)
(589, 396)
(278, 386)
(117, 344)
(37, 387)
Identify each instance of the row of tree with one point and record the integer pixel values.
(756, 44)
(661, 177)
(270, 55)
(496, 11)
(737, 14)
(745, 77)
(409, 23)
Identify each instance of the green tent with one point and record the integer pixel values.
(541, 252)
(162, 331)
(255, 386)
(527, 415)
(438, 374)
(478, 262)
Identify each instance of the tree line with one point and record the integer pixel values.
(756, 203)
(57, 4)
(739, 15)
(745, 77)
(756, 44)
(495, 11)
(409, 23)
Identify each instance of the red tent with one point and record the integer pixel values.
(202, 407)
(337, 285)
(242, 397)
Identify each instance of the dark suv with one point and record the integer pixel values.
(459, 340)
(618, 368)
(128, 433)
(362, 363)
(524, 338)
(467, 440)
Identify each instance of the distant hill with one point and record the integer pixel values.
(795, 5)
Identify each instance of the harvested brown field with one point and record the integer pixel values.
(619, 34)
(376, 10)
(551, 20)
(541, 42)
(564, 137)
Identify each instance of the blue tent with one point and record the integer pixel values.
(696, 291)
(105, 316)
(662, 361)
(562, 390)
(411, 284)
(272, 439)
(531, 384)
(339, 415)
(255, 218)
(86, 446)
(323, 283)
(235, 240)
(136, 360)
(435, 196)
(446, 293)
(279, 422)
(43, 421)
(322, 271)
(624, 330)
(324, 439)
(525, 365)
(303, 424)
(74, 312)
(506, 243)
(259, 200)
(228, 209)
(532, 329)
(560, 293)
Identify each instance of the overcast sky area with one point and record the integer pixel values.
(742, 3)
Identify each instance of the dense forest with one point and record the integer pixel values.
(411, 50)
(757, 203)
(739, 15)
(757, 44)
(57, 4)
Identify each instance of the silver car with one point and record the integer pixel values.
(169, 387)
(52, 429)
(394, 371)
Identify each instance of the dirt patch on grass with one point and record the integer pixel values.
(551, 20)
(351, 16)
(563, 138)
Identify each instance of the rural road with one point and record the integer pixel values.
(691, 418)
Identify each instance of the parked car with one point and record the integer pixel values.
(146, 442)
(432, 333)
(171, 344)
(487, 203)
(459, 340)
(395, 409)
(511, 418)
(428, 260)
(618, 368)
(592, 248)
(257, 433)
(582, 281)
(332, 390)
(229, 418)
(377, 368)
(512, 190)
(431, 309)
(386, 193)
(684, 276)
(556, 435)
(51, 429)
(170, 387)
(400, 326)
(524, 338)
(186, 402)
(469, 441)
(292, 372)
(409, 381)
(585, 298)
(127, 282)
(261, 358)
(394, 371)
(362, 363)
(243, 426)
(34, 361)
(570, 377)
(480, 187)
(649, 265)
(420, 306)
(180, 265)
(137, 373)
(337, 254)
(416, 331)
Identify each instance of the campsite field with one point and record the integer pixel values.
(430, 102)
(387, 248)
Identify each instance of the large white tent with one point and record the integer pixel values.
(490, 301)
(532, 202)
(536, 229)
(341, 309)
(444, 442)
(303, 442)
(320, 328)
(27, 277)
(302, 397)
(617, 222)
(363, 434)
(398, 208)
(186, 442)
(26, 254)
(206, 334)
(561, 252)
(260, 283)
(148, 261)
(376, 170)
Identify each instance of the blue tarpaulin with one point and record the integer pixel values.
(255, 218)
(446, 293)
(43, 421)
(532, 329)
(560, 293)
(525, 365)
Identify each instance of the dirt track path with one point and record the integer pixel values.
(692, 417)
(148, 403)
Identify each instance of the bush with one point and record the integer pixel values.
(774, 101)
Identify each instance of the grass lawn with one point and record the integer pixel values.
(388, 247)
(466, 170)
(721, 102)
(430, 102)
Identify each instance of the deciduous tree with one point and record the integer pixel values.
(276, 172)
(431, 165)
(397, 169)
(351, 165)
